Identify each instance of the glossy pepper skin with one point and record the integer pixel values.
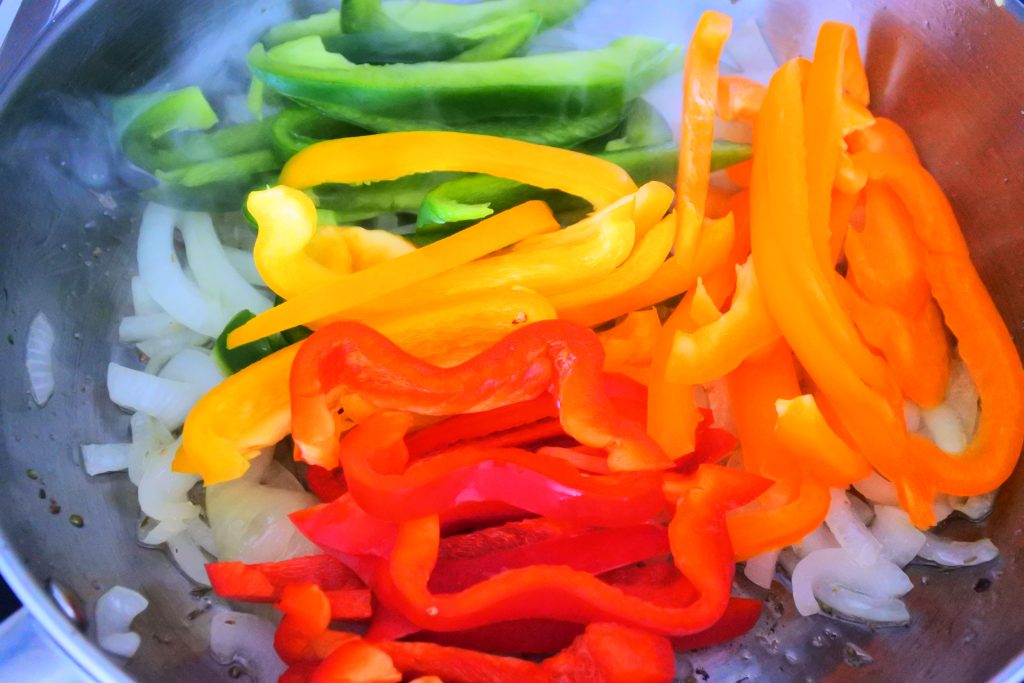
(554, 356)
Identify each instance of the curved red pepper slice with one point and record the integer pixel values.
(700, 548)
(536, 483)
(553, 356)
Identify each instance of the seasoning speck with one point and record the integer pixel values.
(76, 521)
(982, 585)
(10, 339)
(31, 474)
(200, 592)
(196, 613)
(856, 657)
(54, 507)
(236, 671)
(42, 496)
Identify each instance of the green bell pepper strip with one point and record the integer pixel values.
(517, 94)
(351, 203)
(502, 38)
(231, 361)
(465, 200)
(644, 127)
(324, 25)
(296, 128)
(421, 15)
(397, 47)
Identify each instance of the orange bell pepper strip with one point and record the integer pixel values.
(799, 293)
(824, 457)
(349, 291)
(387, 156)
(721, 281)
(718, 348)
(672, 414)
(700, 90)
(629, 346)
(884, 135)
(983, 341)
(755, 531)
(251, 410)
(915, 347)
(293, 257)
(885, 260)
(836, 69)
(739, 98)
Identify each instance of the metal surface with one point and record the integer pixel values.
(949, 71)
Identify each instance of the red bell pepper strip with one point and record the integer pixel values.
(264, 582)
(538, 484)
(303, 635)
(740, 616)
(460, 429)
(347, 357)
(697, 537)
(522, 437)
(454, 665)
(525, 637)
(612, 653)
(326, 484)
(357, 661)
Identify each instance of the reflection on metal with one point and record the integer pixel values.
(68, 603)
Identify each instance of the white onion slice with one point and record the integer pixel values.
(142, 302)
(166, 282)
(148, 438)
(941, 507)
(877, 489)
(189, 558)
(243, 262)
(962, 396)
(864, 511)
(815, 576)
(154, 533)
(195, 367)
(39, 358)
(136, 328)
(943, 426)
(850, 531)
(201, 535)
(115, 611)
(760, 569)
(160, 349)
(900, 539)
(819, 539)
(974, 507)
(165, 399)
(877, 611)
(105, 457)
(237, 637)
(217, 278)
(948, 553)
(163, 493)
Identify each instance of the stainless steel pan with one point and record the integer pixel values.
(951, 71)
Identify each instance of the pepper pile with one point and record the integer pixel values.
(499, 478)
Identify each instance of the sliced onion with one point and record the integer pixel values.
(865, 513)
(946, 553)
(819, 539)
(850, 531)
(201, 535)
(243, 262)
(105, 457)
(962, 397)
(167, 400)
(279, 541)
(194, 367)
(943, 426)
(975, 508)
(815, 576)
(154, 533)
(189, 558)
(875, 611)
(136, 328)
(217, 278)
(900, 539)
(877, 489)
(277, 476)
(941, 507)
(148, 438)
(166, 282)
(39, 358)
(142, 302)
(161, 349)
(115, 611)
(760, 569)
(163, 494)
(237, 637)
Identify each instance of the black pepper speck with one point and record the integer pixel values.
(982, 585)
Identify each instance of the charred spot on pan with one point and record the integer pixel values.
(982, 585)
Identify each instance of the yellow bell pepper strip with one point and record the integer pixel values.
(703, 309)
(293, 257)
(915, 347)
(251, 409)
(799, 294)
(720, 282)
(672, 414)
(392, 155)
(673, 277)
(629, 346)
(983, 341)
(836, 68)
(700, 89)
(645, 260)
(885, 260)
(718, 348)
(364, 286)
(824, 457)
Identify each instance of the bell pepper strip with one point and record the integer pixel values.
(426, 679)
(327, 485)
(884, 136)
(546, 486)
(526, 436)
(581, 460)
(822, 455)
(365, 247)
(629, 346)
(703, 310)
(697, 538)
(800, 296)
(983, 341)
(760, 530)
(264, 582)
(352, 358)
(916, 348)
(739, 98)
(366, 285)
(469, 427)
(844, 210)
(740, 616)
(720, 282)
(718, 347)
(524, 637)
(454, 665)
(303, 635)
(356, 661)
(836, 69)
(700, 88)
(672, 415)
(885, 260)
(248, 411)
(612, 653)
